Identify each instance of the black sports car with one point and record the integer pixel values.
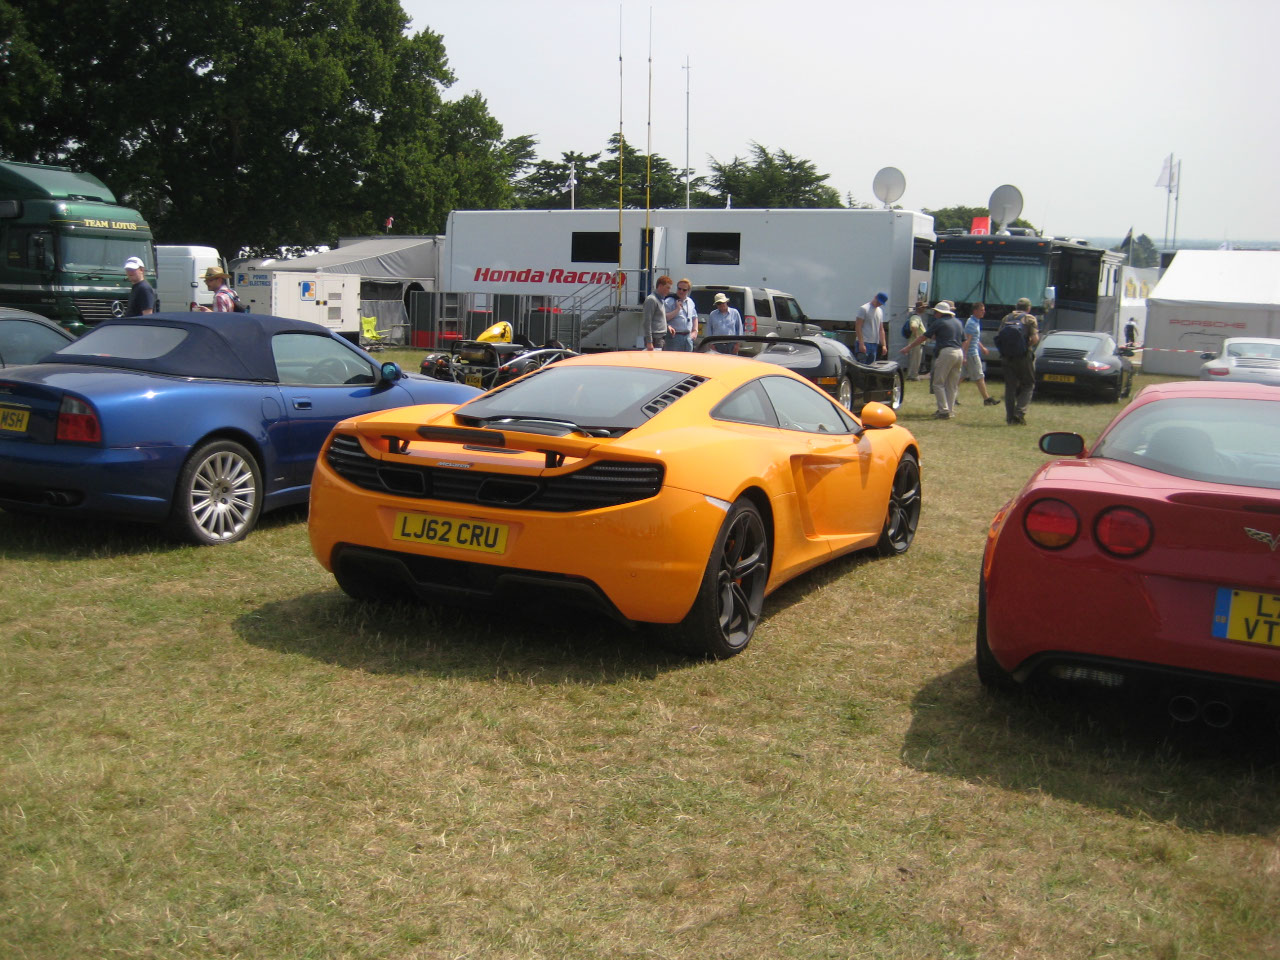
(824, 361)
(487, 364)
(1083, 362)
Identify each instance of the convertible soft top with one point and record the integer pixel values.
(223, 346)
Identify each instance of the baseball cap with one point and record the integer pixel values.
(134, 263)
(882, 297)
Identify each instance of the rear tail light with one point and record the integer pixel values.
(1052, 524)
(1219, 371)
(1123, 531)
(1097, 366)
(749, 324)
(78, 422)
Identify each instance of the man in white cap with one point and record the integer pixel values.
(724, 321)
(142, 299)
(947, 335)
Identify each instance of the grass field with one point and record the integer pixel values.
(213, 753)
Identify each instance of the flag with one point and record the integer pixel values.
(1168, 176)
(1127, 242)
(571, 182)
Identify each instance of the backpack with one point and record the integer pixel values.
(236, 305)
(1011, 338)
(906, 329)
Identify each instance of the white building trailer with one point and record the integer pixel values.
(563, 265)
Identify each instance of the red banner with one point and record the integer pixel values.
(980, 225)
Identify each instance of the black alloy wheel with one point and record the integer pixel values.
(903, 514)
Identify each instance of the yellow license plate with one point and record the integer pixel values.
(1244, 615)
(451, 532)
(14, 418)
(475, 380)
(1059, 378)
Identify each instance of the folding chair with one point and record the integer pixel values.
(370, 338)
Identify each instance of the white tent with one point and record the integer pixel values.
(1204, 297)
(390, 258)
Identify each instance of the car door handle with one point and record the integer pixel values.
(302, 403)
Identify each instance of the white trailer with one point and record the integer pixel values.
(831, 261)
(180, 276)
(329, 299)
(1204, 297)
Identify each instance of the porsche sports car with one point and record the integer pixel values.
(27, 337)
(1083, 362)
(494, 357)
(1244, 360)
(196, 420)
(1148, 560)
(657, 487)
(824, 361)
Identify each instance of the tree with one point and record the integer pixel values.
(961, 218)
(545, 187)
(253, 125)
(1143, 254)
(773, 180)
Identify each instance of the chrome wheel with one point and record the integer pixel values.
(218, 498)
(844, 393)
(899, 388)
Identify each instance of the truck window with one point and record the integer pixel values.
(722, 249)
(594, 247)
(763, 307)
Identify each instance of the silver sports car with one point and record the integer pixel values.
(1244, 359)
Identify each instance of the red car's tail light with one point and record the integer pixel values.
(1123, 531)
(1051, 523)
(78, 422)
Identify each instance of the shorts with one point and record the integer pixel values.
(972, 369)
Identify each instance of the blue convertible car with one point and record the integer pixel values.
(199, 421)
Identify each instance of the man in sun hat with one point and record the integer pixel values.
(947, 335)
(224, 298)
(142, 298)
(724, 321)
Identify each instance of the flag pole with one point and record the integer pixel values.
(1177, 201)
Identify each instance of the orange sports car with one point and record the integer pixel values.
(659, 487)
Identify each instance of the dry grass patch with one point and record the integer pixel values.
(211, 752)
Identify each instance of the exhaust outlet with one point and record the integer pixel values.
(1217, 714)
(1184, 709)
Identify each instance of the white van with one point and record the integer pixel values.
(180, 276)
(764, 311)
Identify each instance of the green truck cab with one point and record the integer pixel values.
(64, 241)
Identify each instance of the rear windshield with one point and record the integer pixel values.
(1216, 439)
(590, 396)
(1254, 349)
(1067, 341)
(126, 342)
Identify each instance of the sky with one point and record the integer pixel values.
(1077, 103)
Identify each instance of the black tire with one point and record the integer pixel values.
(727, 609)
(1128, 385)
(898, 392)
(218, 498)
(903, 515)
(844, 393)
(990, 673)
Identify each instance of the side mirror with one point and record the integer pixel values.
(390, 372)
(1062, 444)
(877, 415)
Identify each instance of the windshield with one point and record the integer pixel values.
(89, 254)
(1216, 439)
(582, 394)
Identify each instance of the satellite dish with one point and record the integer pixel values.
(1005, 205)
(889, 185)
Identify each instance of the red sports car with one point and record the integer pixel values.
(1150, 560)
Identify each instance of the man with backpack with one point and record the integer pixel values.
(225, 300)
(1016, 341)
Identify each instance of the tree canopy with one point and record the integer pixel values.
(1144, 252)
(252, 125)
(771, 180)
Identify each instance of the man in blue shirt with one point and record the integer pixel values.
(142, 299)
(974, 348)
(724, 321)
